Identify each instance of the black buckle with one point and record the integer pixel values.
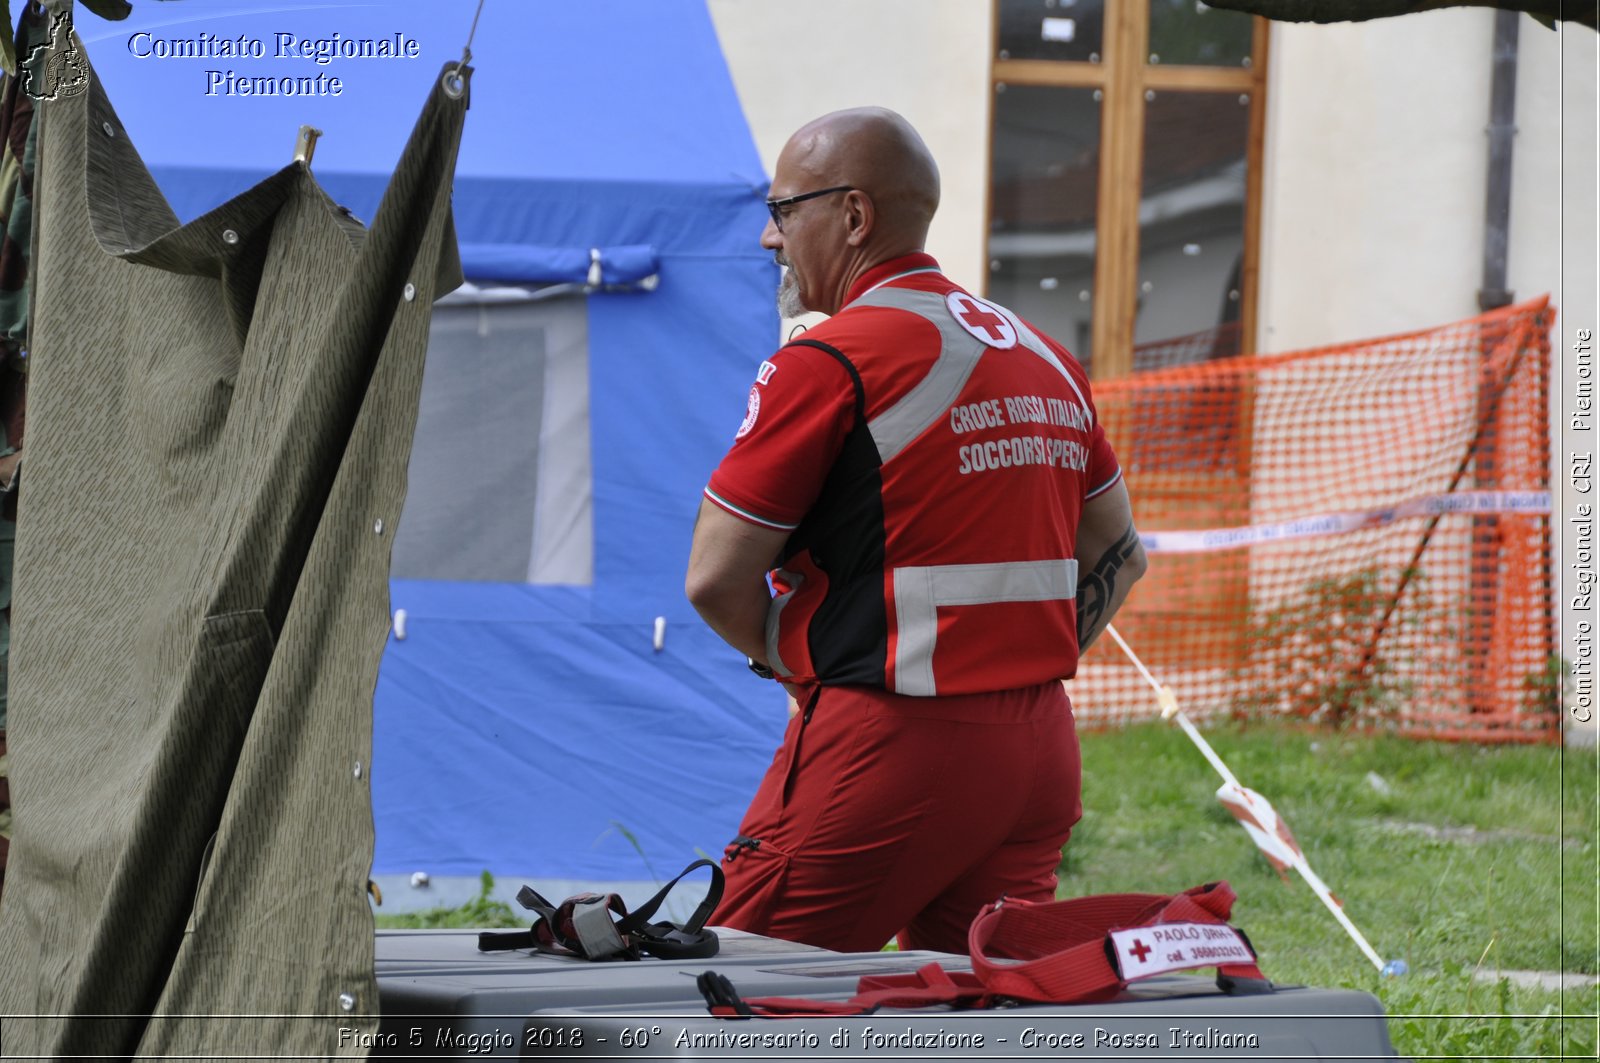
(739, 844)
(720, 994)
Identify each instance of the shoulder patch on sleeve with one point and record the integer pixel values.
(752, 411)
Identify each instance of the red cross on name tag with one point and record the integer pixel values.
(1149, 950)
(984, 320)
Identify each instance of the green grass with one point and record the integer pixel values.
(481, 911)
(1515, 892)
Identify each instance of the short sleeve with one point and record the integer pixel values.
(1104, 472)
(799, 410)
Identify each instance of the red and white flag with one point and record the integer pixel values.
(1260, 820)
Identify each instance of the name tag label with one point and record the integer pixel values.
(1150, 950)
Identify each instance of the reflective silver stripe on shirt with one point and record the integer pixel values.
(1028, 338)
(959, 353)
(919, 592)
(931, 398)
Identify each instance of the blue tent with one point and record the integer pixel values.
(529, 727)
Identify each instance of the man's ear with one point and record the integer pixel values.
(860, 216)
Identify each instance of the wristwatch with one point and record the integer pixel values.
(760, 669)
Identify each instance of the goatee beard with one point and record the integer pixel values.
(789, 304)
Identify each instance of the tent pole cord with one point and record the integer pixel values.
(466, 50)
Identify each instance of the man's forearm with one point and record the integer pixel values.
(739, 616)
(1103, 590)
(727, 578)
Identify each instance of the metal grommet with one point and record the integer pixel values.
(377, 526)
(410, 292)
(454, 84)
(358, 769)
(229, 236)
(109, 130)
(347, 1002)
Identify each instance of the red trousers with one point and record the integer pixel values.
(886, 814)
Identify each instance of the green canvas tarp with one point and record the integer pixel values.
(219, 426)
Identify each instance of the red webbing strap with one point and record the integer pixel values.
(930, 985)
(1062, 944)
(1059, 954)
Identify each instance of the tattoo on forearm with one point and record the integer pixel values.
(1096, 590)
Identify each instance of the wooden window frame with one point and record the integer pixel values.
(1123, 76)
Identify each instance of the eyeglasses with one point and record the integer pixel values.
(776, 207)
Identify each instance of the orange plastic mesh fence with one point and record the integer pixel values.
(1356, 534)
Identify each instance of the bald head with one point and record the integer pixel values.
(876, 150)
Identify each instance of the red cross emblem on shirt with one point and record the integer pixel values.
(982, 320)
(978, 317)
(1140, 950)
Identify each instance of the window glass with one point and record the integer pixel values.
(1045, 183)
(500, 481)
(1191, 227)
(1051, 29)
(1192, 33)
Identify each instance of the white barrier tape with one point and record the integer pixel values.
(1190, 542)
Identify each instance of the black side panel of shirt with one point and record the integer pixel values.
(849, 635)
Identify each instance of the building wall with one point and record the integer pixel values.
(927, 59)
(1553, 211)
(1372, 218)
(1377, 168)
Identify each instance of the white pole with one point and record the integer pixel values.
(1320, 888)
(1170, 710)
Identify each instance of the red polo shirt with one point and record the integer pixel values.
(930, 454)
